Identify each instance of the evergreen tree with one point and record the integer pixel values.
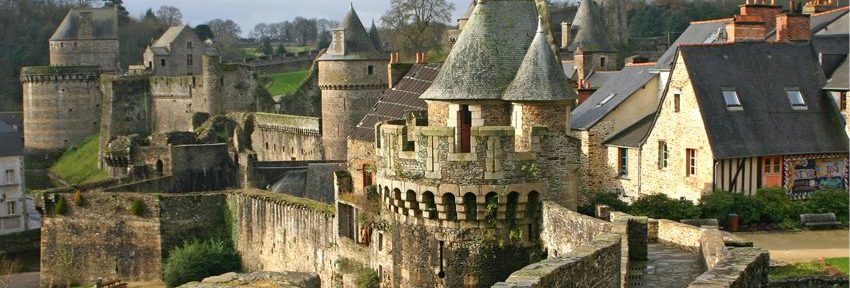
(123, 15)
(204, 32)
(266, 46)
(280, 49)
(375, 37)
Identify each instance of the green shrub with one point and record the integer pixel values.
(719, 204)
(61, 208)
(829, 201)
(367, 278)
(659, 206)
(604, 198)
(778, 208)
(137, 208)
(196, 260)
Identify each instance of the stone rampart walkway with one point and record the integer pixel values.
(668, 267)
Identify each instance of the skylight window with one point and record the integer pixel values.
(607, 98)
(732, 100)
(796, 98)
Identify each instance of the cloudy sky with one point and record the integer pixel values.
(250, 12)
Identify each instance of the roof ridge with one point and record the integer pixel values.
(712, 20)
(641, 64)
(839, 9)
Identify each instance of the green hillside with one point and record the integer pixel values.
(285, 83)
(79, 163)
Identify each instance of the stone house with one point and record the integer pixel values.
(837, 87)
(14, 208)
(177, 52)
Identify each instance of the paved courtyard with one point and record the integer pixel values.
(801, 246)
(669, 267)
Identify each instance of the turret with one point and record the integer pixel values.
(591, 48)
(352, 76)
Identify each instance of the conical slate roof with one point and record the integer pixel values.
(488, 52)
(358, 44)
(541, 77)
(591, 35)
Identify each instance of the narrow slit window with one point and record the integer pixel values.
(623, 155)
(732, 100)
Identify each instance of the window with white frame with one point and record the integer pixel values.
(623, 163)
(10, 175)
(12, 208)
(662, 155)
(730, 96)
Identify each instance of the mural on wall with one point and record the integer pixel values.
(810, 173)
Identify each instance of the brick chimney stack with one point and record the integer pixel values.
(793, 26)
(746, 28)
(767, 11)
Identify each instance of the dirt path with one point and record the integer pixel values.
(801, 246)
(25, 280)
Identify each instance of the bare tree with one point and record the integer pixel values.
(415, 20)
(261, 31)
(170, 15)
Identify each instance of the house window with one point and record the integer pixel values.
(662, 155)
(12, 208)
(371, 69)
(796, 98)
(162, 62)
(10, 176)
(189, 45)
(691, 162)
(607, 98)
(623, 164)
(677, 101)
(189, 60)
(732, 100)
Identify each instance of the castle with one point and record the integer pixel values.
(464, 174)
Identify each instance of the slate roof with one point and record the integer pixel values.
(623, 85)
(104, 22)
(832, 22)
(11, 143)
(598, 79)
(540, 77)
(632, 136)
(404, 97)
(169, 36)
(488, 52)
(696, 33)
(839, 79)
(591, 35)
(569, 69)
(358, 43)
(768, 125)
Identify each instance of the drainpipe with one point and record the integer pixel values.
(640, 169)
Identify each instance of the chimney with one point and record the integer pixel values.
(421, 58)
(396, 70)
(565, 34)
(583, 92)
(792, 27)
(767, 11)
(746, 28)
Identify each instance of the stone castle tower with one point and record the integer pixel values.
(463, 187)
(587, 43)
(62, 101)
(352, 76)
(87, 37)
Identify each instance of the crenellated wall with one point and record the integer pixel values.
(278, 137)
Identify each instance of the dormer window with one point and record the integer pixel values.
(733, 103)
(607, 98)
(796, 98)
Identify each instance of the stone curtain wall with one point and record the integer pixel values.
(275, 233)
(742, 268)
(596, 265)
(565, 230)
(101, 238)
(126, 108)
(278, 137)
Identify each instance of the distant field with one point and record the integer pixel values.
(284, 83)
(79, 165)
(251, 52)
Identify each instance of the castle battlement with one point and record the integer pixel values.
(303, 125)
(38, 74)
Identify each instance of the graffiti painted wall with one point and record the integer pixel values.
(809, 173)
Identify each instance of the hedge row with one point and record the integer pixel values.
(769, 207)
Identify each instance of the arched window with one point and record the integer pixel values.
(386, 192)
(510, 212)
(470, 207)
(430, 209)
(411, 204)
(532, 209)
(450, 206)
(492, 206)
(159, 167)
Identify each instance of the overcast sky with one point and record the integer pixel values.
(248, 13)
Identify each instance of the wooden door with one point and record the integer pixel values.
(771, 171)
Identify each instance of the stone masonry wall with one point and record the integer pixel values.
(275, 233)
(278, 137)
(103, 53)
(595, 265)
(126, 108)
(172, 103)
(565, 230)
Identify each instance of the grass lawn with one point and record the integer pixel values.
(79, 164)
(284, 83)
(814, 268)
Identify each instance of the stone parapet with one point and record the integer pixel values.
(35, 74)
(742, 267)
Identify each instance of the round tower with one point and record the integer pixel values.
(464, 199)
(352, 77)
(61, 106)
